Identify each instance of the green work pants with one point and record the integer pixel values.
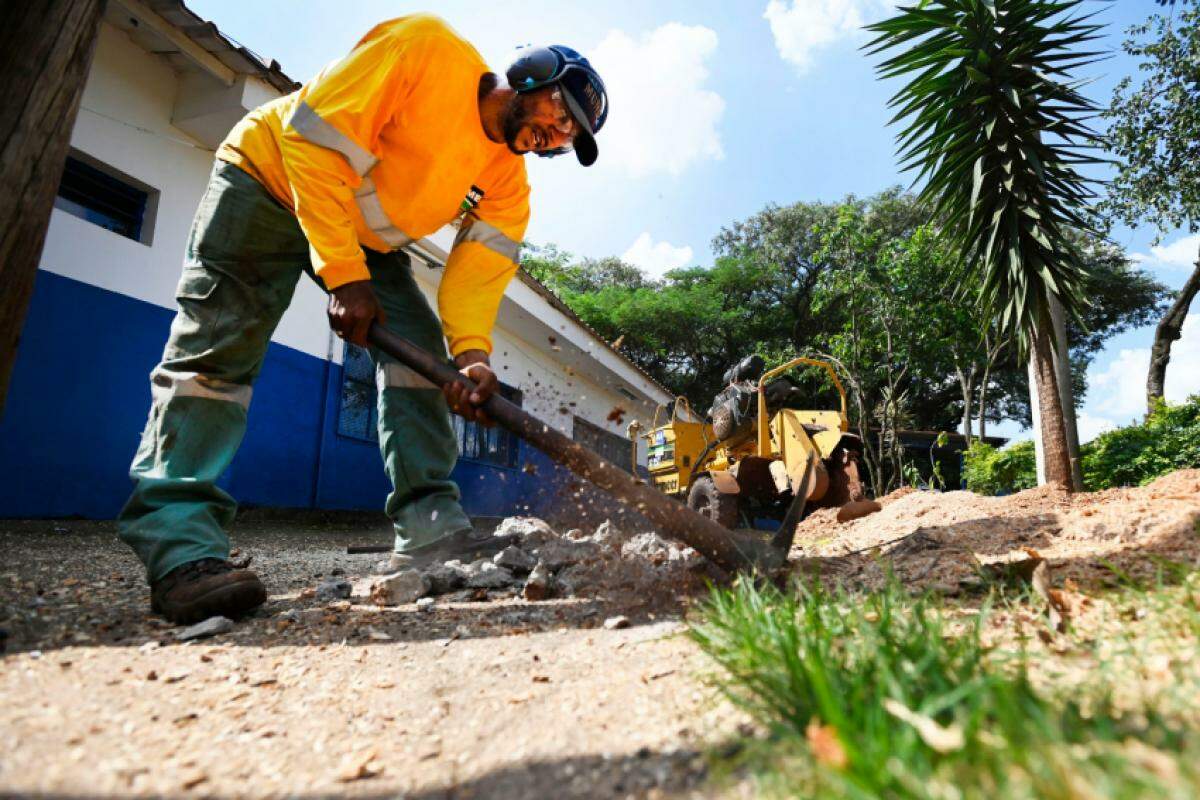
(244, 257)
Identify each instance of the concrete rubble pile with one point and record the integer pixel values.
(540, 564)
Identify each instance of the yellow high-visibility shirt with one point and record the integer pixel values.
(386, 146)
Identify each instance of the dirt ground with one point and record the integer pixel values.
(947, 541)
(501, 698)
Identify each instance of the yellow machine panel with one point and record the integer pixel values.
(673, 449)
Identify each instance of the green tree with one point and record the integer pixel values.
(1155, 128)
(995, 128)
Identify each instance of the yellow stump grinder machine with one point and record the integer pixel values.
(763, 456)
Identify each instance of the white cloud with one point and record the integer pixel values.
(656, 258)
(1117, 393)
(663, 118)
(801, 27)
(1089, 426)
(1179, 254)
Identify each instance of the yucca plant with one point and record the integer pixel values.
(996, 128)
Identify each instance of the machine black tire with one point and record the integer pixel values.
(706, 499)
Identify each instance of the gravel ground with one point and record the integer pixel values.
(501, 698)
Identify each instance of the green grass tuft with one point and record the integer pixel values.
(916, 707)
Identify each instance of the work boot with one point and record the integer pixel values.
(465, 546)
(206, 588)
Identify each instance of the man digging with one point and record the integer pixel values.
(407, 133)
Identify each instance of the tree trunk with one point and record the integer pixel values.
(1168, 331)
(45, 51)
(1066, 389)
(983, 406)
(1055, 443)
(966, 383)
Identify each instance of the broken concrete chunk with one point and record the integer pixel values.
(213, 626)
(558, 554)
(425, 604)
(515, 559)
(539, 585)
(610, 535)
(444, 578)
(336, 589)
(529, 531)
(649, 546)
(490, 576)
(399, 588)
(616, 623)
(392, 564)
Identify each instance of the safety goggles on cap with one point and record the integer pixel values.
(580, 89)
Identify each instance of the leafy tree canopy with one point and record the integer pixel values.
(1155, 125)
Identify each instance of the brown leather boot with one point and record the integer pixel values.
(206, 588)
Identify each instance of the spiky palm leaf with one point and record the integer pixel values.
(997, 128)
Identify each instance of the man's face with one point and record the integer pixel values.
(538, 122)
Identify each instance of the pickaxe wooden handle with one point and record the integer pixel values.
(731, 550)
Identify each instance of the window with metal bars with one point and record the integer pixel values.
(358, 415)
(493, 445)
(102, 197)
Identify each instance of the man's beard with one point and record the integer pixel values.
(515, 117)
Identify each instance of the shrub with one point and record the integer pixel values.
(1168, 440)
(988, 470)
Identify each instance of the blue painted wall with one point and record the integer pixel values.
(77, 401)
(80, 393)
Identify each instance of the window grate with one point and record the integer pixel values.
(489, 445)
(102, 199)
(358, 413)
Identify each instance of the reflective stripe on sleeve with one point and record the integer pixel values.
(316, 130)
(488, 235)
(376, 218)
(397, 376)
(168, 385)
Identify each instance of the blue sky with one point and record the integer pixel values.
(718, 108)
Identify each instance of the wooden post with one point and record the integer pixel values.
(45, 52)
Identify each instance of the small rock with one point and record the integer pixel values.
(649, 546)
(445, 578)
(357, 766)
(857, 509)
(529, 531)
(616, 623)
(392, 564)
(539, 585)
(337, 571)
(399, 588)
(291, 615)
(334, 590)
(425, 604)
(515, 559)
(610, 535)
(558, 554)
(490, 576)
(339, 606)
(213, 626)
